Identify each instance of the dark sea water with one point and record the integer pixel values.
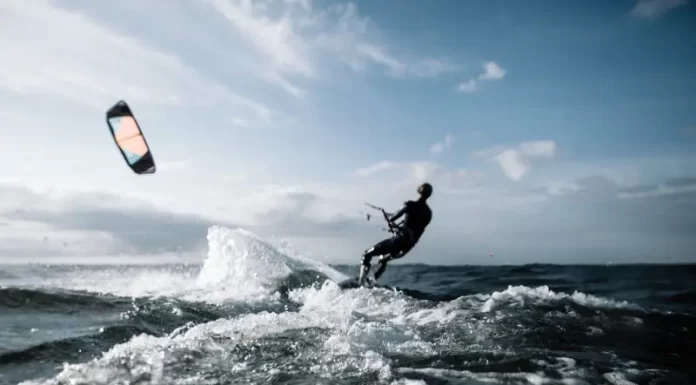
(255, 314)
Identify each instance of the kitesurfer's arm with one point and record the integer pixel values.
(399, 213)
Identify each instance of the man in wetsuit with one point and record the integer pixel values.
(417, 216)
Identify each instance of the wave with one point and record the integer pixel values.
(357, 334)
(73, 348)
(257, 314)
(683, 297)
(6, 275)
(26, 299)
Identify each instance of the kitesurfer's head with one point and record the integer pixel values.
(425, 190)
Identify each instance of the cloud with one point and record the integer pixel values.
(353, 40)
(590, 216)
(419, 68)
(376, 168)
(295, 212)
(97, 222)
(491, 71)
(673, 186)
(681, 182)
(409, 172)
(276, 40)
(437, 148)
(516, 162)
(637, 207)
(586, 219)
(379, 56)
(103, 67)
(169, 61)
(652, 9)
(294, 38)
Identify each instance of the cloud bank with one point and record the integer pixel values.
(51, 223)
(589, 219)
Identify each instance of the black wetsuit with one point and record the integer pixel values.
(417, 217)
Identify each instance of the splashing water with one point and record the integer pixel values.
(234, 320)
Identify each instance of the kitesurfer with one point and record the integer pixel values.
(417, 216)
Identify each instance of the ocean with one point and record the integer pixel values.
(258, 313)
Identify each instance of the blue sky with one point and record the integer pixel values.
(554, 132)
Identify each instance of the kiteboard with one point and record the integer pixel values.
(352, 283)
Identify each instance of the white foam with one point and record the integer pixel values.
(567, 368)
(494, 377)
(239, 267)
(409, 382)
(131, 282)
(519, 295)
(145, 356)
(617, 378)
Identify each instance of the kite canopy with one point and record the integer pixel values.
(130, 139)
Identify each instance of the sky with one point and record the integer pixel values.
(552, 132)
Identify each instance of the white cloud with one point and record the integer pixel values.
(437, 148)
(294, 38)
(376, 168)
(675, 187)
(491, 71)
(277, 40)
(512, 163)
(284, 43)
(339, 31)
(378, 55)
(516, 162)
(96, 66)
(402, 172)
(398, 68)
(651, 9)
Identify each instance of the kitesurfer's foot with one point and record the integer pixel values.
(369, 282)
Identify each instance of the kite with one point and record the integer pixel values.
(130, 139)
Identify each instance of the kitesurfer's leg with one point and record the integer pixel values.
(394, 255)
(382, 266)
(382, 248)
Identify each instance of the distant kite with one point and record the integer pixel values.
(130, 139)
